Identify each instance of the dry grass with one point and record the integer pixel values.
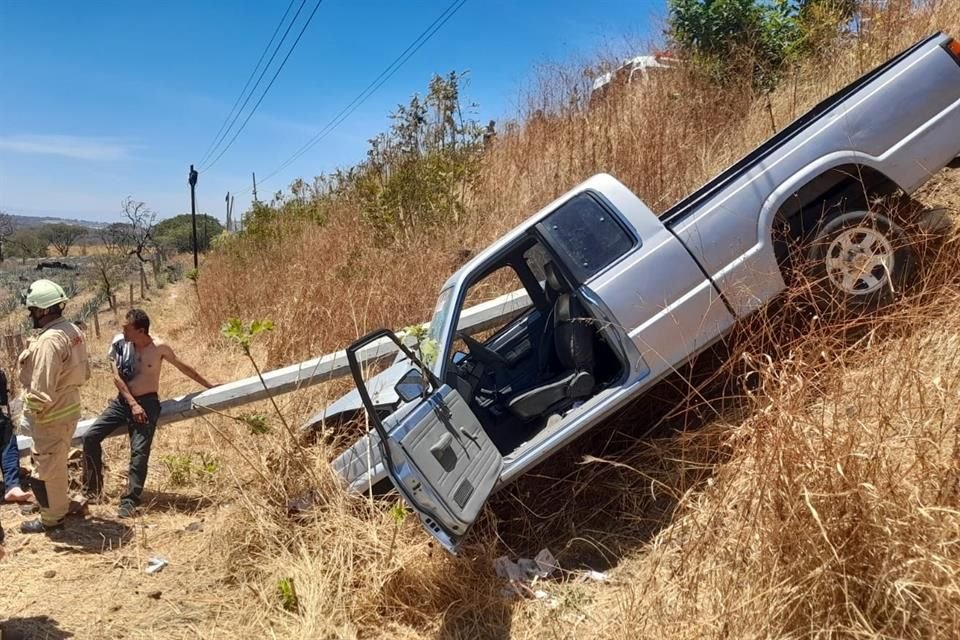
(800, 481)
(803, 483)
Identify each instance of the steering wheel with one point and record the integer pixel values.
(481, 353)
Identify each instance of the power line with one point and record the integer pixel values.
(260, 78)
(272, 80)
(371, 88)
(218, 137)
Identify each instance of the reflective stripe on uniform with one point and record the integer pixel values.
(60, 414)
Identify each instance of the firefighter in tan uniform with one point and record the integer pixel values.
(52, 369)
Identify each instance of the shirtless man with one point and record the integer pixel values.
(136, 373)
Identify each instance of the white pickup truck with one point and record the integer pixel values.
(610, 297)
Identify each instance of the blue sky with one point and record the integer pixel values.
(103, 99)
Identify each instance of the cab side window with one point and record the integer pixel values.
(589, 233)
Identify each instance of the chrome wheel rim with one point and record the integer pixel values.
(859, 261)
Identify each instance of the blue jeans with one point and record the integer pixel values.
(10, 462)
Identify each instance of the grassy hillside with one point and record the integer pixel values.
(817, 499)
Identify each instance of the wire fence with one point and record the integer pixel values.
(71, 275)
(10, 348)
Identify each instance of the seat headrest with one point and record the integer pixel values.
(553, 280)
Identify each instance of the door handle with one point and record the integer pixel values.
(443, 443)
(443, 453)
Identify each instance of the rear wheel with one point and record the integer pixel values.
(858, 261)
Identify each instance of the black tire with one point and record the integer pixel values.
(858, 261)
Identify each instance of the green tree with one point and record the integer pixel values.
(417, 174)
(28, 243)
(64, 236)
(117, 237)
(176, 233)
(110, 265)
(757, 38)
(7, 228)
(259, 221)
(110, 269)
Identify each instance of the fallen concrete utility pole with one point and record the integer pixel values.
(305, 374)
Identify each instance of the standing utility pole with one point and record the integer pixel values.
(255, 186)
(193, 213)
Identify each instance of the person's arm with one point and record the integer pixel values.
(47, 364)
(139, 415)
(166, 352)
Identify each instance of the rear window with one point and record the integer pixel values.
(589, 233)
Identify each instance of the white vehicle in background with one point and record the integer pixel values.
(638, 69)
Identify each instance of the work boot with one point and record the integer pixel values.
(37, 526)
(126, 510)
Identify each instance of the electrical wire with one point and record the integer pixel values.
(267, 90)
(218, 136)
(370, 89)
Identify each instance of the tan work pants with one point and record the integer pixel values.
(51, 445)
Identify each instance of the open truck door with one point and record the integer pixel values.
(436, 453)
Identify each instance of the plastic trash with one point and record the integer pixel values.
(546, 562)
(524, 570)
(507, 569)
(156, 564)
(549, 600)
(596, 576)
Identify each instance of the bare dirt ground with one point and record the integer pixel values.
(90, 583)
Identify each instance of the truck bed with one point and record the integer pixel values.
(679, 211)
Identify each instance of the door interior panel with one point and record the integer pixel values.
(453, 453)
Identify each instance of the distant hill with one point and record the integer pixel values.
(39, 221)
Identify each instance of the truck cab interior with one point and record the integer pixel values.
(526, 373)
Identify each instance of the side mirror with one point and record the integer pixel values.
(411, 386)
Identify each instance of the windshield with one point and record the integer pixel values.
(433, 343)
(378, 382)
